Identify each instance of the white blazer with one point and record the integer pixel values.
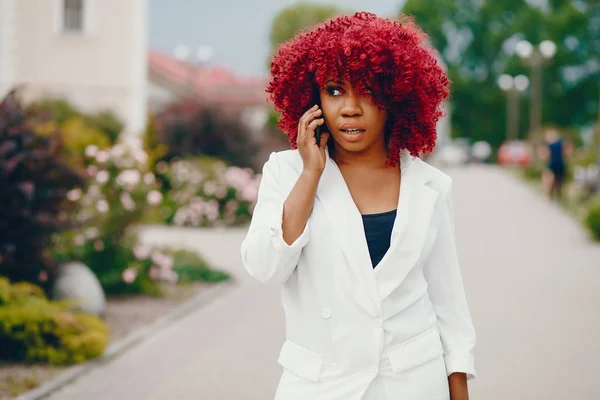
(349, 325)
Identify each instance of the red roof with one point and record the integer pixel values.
(215, 84)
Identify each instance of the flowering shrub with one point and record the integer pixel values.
(120, 192)
(207, 193)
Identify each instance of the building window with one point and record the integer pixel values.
(73, 16)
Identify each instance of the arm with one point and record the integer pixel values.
(279, 227)
(446, 291)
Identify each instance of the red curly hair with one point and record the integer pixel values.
(385, 59)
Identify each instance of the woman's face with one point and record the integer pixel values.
(355, 122)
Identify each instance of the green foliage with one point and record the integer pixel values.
(473, 36)
(593, 220)
(190, 266)
(77, 135)
(35, 179)
(34, 329)
(533, 171)
(298, 17)
(60, 111)
(156, 151)
(191, 128)
(106, 122)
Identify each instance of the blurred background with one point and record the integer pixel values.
(132, 137)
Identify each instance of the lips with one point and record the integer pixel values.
(351, 131)
(351, 126)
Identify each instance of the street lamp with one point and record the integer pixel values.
(535, 57)
(202, 56)
(513, 87)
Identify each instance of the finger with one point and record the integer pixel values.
(311, 127)
(324, 138)
(305, 122)
(310, 114)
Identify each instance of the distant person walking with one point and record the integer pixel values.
(555, 153)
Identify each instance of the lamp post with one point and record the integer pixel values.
(201, 58)
(535, 57)
(513, 87)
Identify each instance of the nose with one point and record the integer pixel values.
(351, 105)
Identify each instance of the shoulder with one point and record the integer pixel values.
(435, 178)
(283, 163)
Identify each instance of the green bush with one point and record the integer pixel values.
(34, 180)
(190, 266)
(60, 111)
(35, 329)
(533, 172)
(593, 221)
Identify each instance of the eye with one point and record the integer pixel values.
(334, 91)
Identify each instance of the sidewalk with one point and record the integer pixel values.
(533, 282)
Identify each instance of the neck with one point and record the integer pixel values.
(374, 157)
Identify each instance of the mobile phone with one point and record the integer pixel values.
(318, 134)
(320, 128)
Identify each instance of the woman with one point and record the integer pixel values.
(356, 229)
(555, 152)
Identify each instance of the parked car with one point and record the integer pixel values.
(515, 152)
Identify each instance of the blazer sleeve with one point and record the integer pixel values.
(446, 291)
(265, 255)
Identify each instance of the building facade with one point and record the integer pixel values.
(90, 52)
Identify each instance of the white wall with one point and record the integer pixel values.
(103, 67)
(7, 44)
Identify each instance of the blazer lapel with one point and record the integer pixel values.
(346, 222)
(415, 209)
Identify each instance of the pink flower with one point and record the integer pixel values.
(102, 206)
(141, 252)
(91, 151)
(127, 202)
(79, 240)
(210, 187)
(129, 275)
(221, 192)
(102, 156)
(92, 170)
(130, 178)
(154, 197)
(98, 245)
(102, 177)
(154, 273)
(149, 178)
(43, 276)
(250, 193)
(74, 194)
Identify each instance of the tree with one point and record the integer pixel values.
(475, 39)
(290, 21)
(296, 18)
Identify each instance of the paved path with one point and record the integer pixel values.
(533, 282)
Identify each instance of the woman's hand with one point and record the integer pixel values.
(313, 156)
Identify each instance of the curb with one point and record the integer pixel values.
(128, 342)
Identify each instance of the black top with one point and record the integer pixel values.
(378, 231)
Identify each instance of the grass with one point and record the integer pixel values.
(190, 267)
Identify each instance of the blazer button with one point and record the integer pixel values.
(274, 231)
(326, 313)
